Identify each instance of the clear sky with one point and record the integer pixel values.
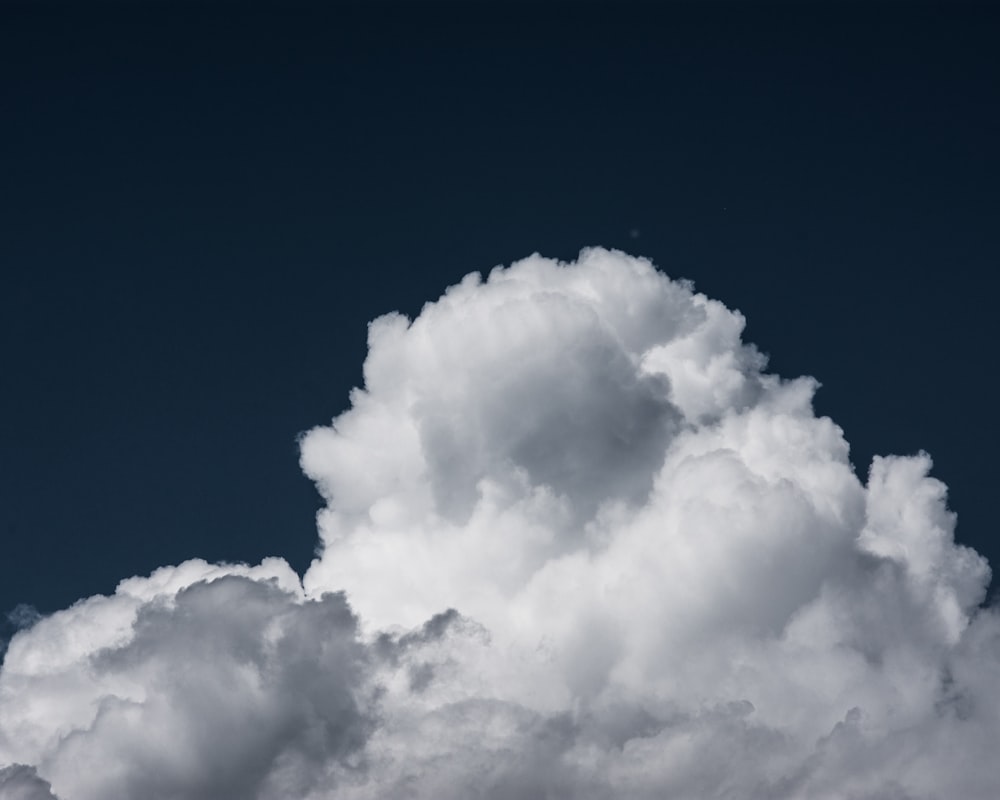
(201, 207)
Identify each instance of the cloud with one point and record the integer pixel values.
(228, 687)
(20, 782)
(577, 543)
(23, 616)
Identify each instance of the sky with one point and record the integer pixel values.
(203, 207)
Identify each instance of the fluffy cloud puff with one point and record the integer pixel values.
(577, 543)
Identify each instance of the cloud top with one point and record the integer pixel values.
(577, 543)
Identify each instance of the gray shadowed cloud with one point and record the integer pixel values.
(20, 782)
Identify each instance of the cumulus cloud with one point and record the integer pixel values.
(577, 543)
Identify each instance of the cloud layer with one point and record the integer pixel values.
(577, 543)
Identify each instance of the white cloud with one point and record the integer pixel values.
(591, 549)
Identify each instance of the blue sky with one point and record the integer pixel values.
(203, 208)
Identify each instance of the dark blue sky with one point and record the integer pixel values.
(202, 206)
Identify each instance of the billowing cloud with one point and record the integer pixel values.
(577, 543)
